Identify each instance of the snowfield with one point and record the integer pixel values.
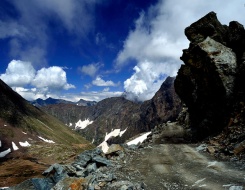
(139, 139)
(46, 140)
(4, 153)
(24, 144)
(83, 124)
(14, 146)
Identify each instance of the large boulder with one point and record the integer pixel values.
(210, 81)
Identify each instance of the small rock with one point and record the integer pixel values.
(239, 148)
(56, 172)
(97, 187)
(236, 188)
(211, 149)
(114, 148)
(102, 161)
(91, 167)
(102, 183)
(84, 158)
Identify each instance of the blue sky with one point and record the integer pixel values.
(94, 49)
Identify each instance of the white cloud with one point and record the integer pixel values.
(91, 69)
(18, 73)
(29, 83)
(44, 93)
(158, 39)
(107, 89)
(53, 78)
(11, 29)
(147, 79)
(100, 82)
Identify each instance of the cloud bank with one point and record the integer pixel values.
(21, 74)
(157, 41)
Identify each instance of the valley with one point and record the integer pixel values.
(191, 133)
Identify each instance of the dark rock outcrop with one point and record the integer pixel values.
(210, 81)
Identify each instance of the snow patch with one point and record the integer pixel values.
(24, 133)
(24, 144)
(201, 147)
(114, 133)
(198, 181)
(204, 185)
(122, 132)
(211, 164)
(0, 143)
(14, 146)
(46, 140)
(236, 188)
(4, 153)
(83, 124)
(139, 139)
(5, 125)
(104, 146)
(70, 125)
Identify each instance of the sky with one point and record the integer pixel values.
(94, 49)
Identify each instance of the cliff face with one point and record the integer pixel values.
(164, 106)
(211, 81)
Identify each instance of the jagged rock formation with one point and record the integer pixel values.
(211, 82)
(119, 113)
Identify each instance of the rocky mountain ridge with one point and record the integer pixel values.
(26, 136)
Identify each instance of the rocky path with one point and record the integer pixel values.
(181, 166)
(167, 165)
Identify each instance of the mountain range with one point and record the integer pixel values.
(50, 101)
(117, 113)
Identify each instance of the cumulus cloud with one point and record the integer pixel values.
(100, 82)
(158, 39)
(91, 69)
(147, 79)
(18, 73)
(53, 78)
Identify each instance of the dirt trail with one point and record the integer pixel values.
(181, 166)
